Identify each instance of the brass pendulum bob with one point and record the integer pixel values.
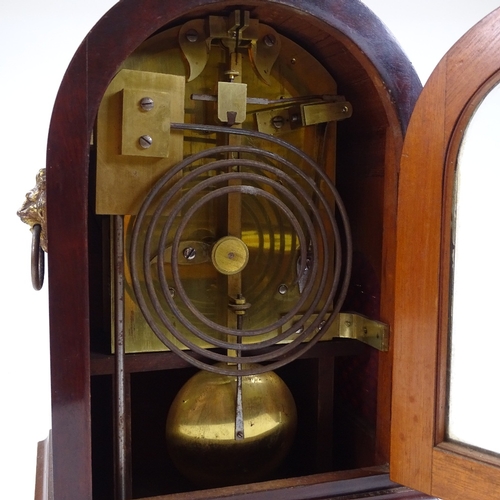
(200, 428)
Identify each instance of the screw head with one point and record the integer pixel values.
(145, 141)
(189, 253)
(147, 104)
(192, 35)
(282, 289)
(277, 121)
(270, 40)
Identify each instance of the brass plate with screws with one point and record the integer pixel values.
(125, 169)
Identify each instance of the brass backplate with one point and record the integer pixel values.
(270, 239)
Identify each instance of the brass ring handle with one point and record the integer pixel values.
(37, 258)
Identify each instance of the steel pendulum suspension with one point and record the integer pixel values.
(239, 307)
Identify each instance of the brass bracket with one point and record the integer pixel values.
(352, 326)
(322, 112)
(355, 326)
(283, 119)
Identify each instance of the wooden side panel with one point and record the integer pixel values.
(390, 200)
(67, 201)
(417, 284)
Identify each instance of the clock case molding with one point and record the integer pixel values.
(368, 66)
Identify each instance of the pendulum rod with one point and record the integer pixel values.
(239, 429)
(239, 307)
(122, 487)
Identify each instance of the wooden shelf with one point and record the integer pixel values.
(103, 364)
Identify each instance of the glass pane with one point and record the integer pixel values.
(474, 398)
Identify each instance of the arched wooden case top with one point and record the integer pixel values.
(324, 76)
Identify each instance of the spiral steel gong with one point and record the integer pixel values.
(319, 239)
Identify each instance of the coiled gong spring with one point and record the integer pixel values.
(293, 209)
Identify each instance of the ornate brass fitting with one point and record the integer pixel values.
(33, 210)
(33, 213)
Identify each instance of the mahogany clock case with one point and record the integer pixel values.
(342, 388)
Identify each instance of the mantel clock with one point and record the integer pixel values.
(221, 192)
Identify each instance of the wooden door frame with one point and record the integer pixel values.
(420, 456)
